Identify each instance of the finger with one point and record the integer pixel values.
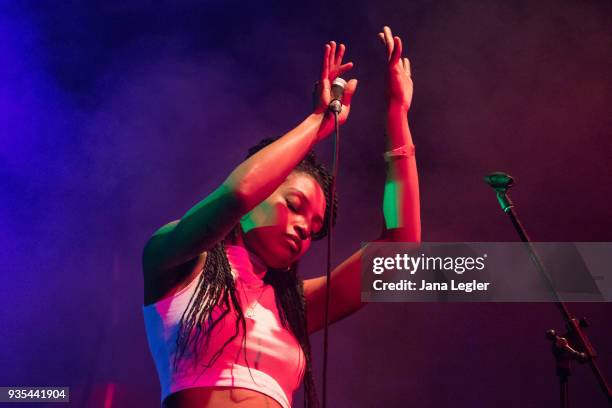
(332, 54)
(381, 37)
(349, 91)
(388, 41)
(325, 68)
(407, 67)
(397, 50)
(344, 68)
(341, 50)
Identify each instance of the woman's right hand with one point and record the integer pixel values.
(333, 68)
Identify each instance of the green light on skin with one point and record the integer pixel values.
(391, 205)
(247, 223)
(262, 215)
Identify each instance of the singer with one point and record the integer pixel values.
(227, 317)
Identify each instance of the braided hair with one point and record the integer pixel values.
(216, 289)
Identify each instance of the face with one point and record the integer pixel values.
(279, 230)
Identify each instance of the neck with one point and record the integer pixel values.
(249, 267)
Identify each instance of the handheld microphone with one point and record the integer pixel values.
(337, 91)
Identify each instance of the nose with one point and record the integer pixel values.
(301, 228)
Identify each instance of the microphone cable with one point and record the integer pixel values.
(332, 194)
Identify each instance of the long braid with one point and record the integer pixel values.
(290, 301)
(216, 288)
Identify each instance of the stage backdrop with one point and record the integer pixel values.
(117, 118)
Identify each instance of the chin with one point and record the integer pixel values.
(274, 252)
(279, 259)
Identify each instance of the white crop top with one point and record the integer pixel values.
(276, 360)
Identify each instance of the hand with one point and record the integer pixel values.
(333, 68)
(399, 82)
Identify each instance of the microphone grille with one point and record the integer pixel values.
(339, 82)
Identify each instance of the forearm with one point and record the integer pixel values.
(250, 183)
(258, 176)
(398, 131)
(401, 202)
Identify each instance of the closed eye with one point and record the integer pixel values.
(291, 206)
(294, 208)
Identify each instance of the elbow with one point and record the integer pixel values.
(412, 235)
(239, 196)
(246, 188)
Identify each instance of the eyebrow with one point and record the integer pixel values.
(316, 217)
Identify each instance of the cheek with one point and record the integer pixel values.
(265, 215)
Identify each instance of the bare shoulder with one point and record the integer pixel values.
(151, 249)
(172, 282)
(160, 282)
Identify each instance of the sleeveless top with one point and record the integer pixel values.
(277, 363)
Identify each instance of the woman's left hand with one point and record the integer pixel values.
(399, 81)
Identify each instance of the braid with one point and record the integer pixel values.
(216, 288)
(290, 301)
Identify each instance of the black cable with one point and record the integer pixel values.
(332, 194)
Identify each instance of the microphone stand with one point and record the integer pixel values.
(562, 346)
(335, 107)
(332, 194)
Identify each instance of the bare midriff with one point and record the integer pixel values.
(207, 397)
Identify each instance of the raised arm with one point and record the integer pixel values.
(401, 208)
(401, 204)
(251, 182)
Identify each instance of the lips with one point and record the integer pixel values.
(294, 242)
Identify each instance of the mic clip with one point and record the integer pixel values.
(337, 90)
(335, 106)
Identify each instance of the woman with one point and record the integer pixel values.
(227, 317)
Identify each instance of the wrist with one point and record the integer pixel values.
(316, 116)
(406, 150)
(327, 125)
(398, 106)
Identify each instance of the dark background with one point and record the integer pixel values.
(117, 118)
